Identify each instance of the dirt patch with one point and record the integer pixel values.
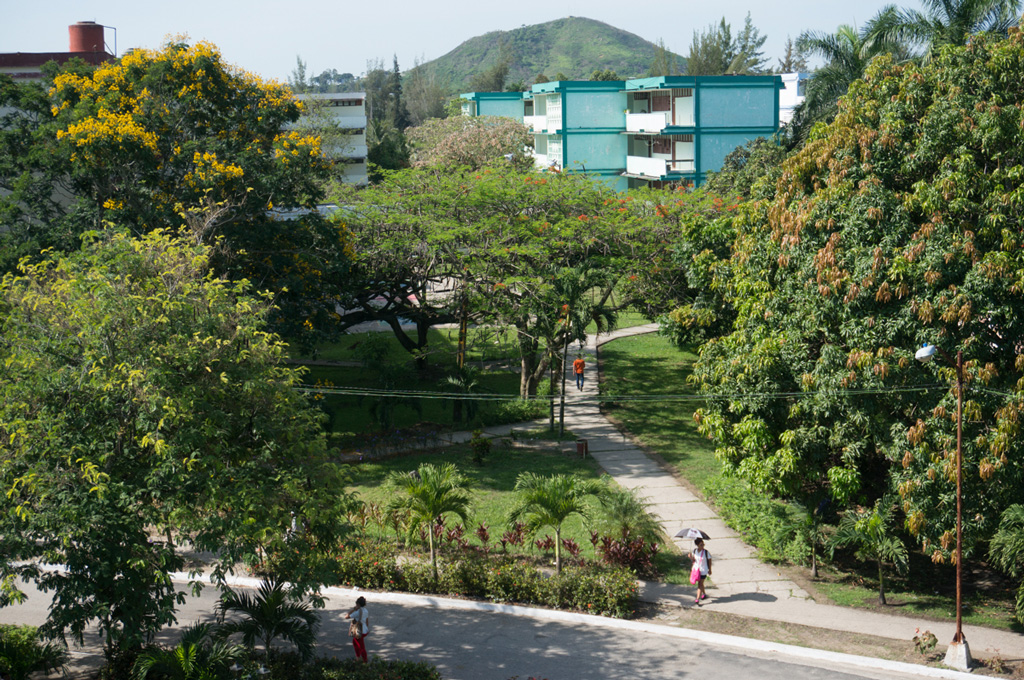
(813, 638)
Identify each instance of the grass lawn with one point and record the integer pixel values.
(491, 485)
(483, 343)
(650, 365)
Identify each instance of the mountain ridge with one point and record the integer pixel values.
(573, 46)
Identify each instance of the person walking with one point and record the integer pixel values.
(702, 566)
(359, 628)
(577, 367)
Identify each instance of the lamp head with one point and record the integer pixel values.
(925, 354)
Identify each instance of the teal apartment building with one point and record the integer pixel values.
(641, 132)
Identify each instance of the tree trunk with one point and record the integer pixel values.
(558, 550)
(881, 585)
(433, 557)
(561, 391)
(421, 342)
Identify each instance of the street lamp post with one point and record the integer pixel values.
(958, 654)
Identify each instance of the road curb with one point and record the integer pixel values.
(718, 639)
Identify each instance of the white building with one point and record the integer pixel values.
(794, 92)
(340, 119)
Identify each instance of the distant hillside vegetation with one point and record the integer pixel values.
(574, 46)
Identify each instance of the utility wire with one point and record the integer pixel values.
(477, 396)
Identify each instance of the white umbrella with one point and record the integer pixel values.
(692, 533)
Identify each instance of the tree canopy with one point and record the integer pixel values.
(144, 407)
(161, 138)
(429, 240)
(472, 141)
(897, 224)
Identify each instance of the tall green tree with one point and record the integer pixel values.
(491, 79)
(142, 403)
(711, 51)
(749, 49)
(715, 51)
(428, 495)
(426, 237)
(893, 226)
(846, 53)
(549, 501)
(793, 59)
(664, 63)
(943, 22)
(1007, 550)
(425, 93)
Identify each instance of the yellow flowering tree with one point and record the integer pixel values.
(176, 135)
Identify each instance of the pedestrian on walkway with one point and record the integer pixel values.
(359, 628)
(702, 565)
(577, 367)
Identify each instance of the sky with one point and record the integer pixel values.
(267, 37)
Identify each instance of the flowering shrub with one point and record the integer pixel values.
(590, 588)
(509, 581)
(368, 566)
(606, 591)
(417, 577)
(465, 578)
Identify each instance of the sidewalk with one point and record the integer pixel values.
(740, 584)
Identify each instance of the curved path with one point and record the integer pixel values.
(740, 584)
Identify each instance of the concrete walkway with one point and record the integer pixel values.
(740, 583)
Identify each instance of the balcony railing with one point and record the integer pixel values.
(646, 122)
(536, 123)
(648, 167)
(657, 167)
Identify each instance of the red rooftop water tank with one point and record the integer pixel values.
(86, 36)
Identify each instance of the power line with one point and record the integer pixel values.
(601, 398)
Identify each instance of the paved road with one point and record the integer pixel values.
(471, 641)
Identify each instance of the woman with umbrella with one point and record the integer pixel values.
(701, 559)
(702, 565)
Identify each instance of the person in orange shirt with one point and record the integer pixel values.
(577, 367)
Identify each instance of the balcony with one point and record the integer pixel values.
(536, 123)
(656, 168)
(647, 122)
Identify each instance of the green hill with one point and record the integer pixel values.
(574, 46)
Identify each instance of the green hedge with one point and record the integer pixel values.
(591, 588)
(766, 524)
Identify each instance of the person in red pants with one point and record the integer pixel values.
(359, 628)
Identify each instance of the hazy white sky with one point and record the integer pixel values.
(265, 37)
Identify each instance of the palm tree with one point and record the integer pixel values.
(428, 494)
(272, 612)
(870, 533)
(549, 501)
(943, 22)
(197, 657)
(846, 53)
(627, 513)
